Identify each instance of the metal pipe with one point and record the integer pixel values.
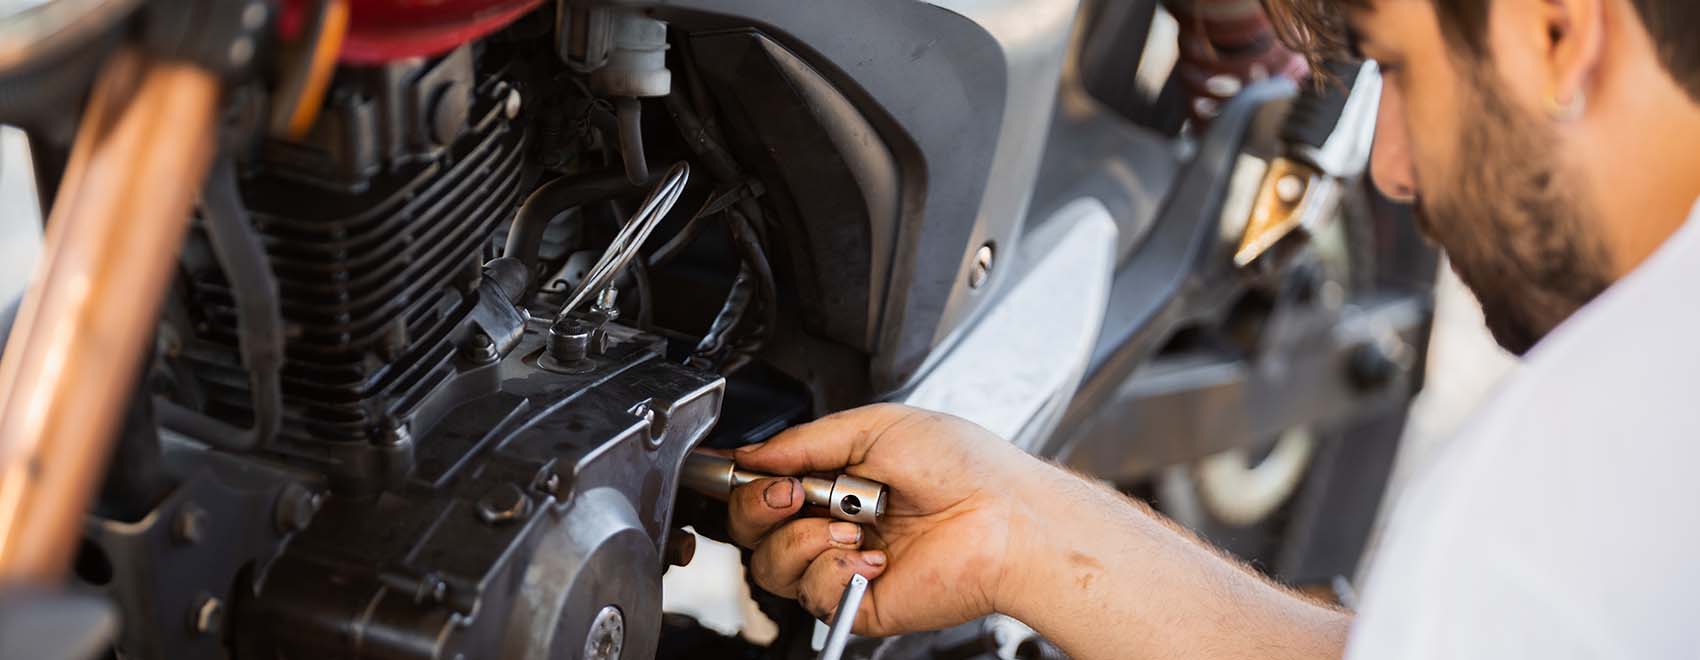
(259, 320)
(631, 237)
(525, 236)
(144, 145)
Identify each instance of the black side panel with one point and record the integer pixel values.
(833, 182)
(930, 82)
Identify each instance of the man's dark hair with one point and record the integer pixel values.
(1318, 29)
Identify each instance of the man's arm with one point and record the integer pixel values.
(975, 526)
(1103, 576)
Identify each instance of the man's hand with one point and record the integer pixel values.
(942, 552)
(975, 526)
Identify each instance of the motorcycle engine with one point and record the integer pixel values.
(438, 485)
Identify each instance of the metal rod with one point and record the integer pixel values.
(838, 635)
(143, 147)
(631, 236)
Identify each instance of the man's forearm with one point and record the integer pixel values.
(1104, 577)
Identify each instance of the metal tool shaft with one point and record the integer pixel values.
(845, 497)
(838, 635)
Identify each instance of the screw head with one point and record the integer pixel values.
(982, 268)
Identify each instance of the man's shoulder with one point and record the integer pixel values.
(1561, 518)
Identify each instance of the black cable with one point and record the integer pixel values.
(744, 237)
(731, 313)
(259, 320)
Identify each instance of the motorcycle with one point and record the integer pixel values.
(381, 329)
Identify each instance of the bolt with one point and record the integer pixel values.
(190, 525)
(607, 302)
(511, 104)
(206, 616)
(1289, 188)
(481, 349)
(607, 635)
(551, 484)
(503, 504)
(296, 507)
(982, 268)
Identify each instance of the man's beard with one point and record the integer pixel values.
(1514, 225)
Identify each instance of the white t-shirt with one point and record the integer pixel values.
(1565, 521)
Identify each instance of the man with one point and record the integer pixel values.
(1553, 147)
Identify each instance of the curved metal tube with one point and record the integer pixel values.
(631, 237)
(146, 140)
(259, 320)
(525, 236)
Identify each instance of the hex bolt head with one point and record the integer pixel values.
(296, 506)
(481, 349)
(982, 268)
(190, 524)
(206, 617)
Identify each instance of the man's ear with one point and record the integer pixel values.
(1575, 38)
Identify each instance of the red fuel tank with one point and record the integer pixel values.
(384, 30)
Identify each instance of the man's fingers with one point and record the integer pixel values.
(823, 583)
(779, 562)
(827, 444)
(758, 506)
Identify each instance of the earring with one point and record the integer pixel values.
(1567, 111)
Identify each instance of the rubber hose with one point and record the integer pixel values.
(628, 114)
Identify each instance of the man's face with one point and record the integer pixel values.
(1486, 173)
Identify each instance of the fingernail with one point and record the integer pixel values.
(846, 533)
(778, 494)
(746, 449)
(874, 558)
